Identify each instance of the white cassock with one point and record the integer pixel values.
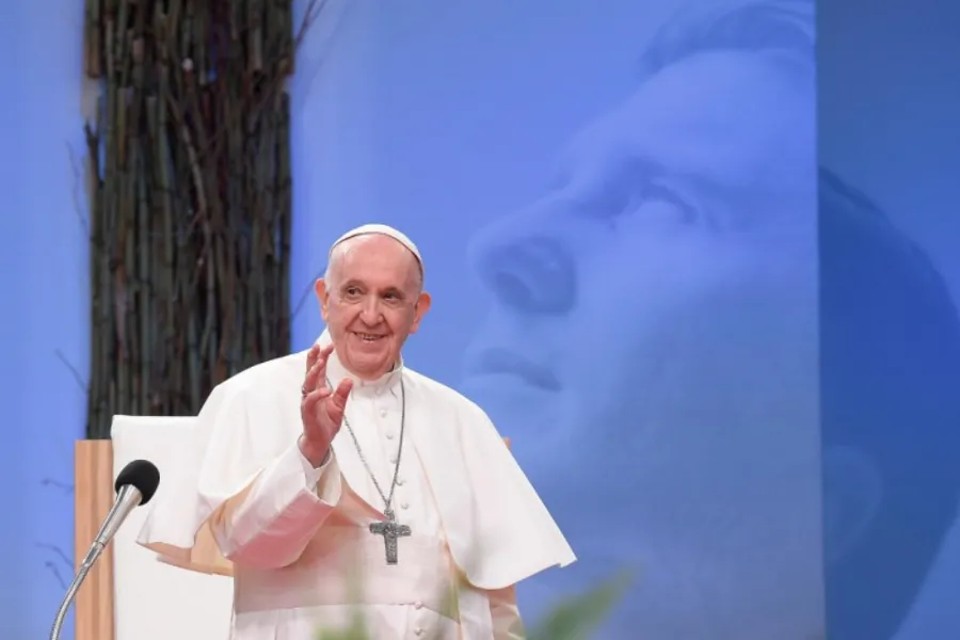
(297, 540)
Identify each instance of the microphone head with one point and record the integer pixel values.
(142, 475)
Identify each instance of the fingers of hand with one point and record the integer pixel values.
(317, 373)
(343, 392)
(312, 356)
(324, 354)
(317, 425)
(321, 364)
(312, 412)
(309, 381)
(336, 405)
(311, 400)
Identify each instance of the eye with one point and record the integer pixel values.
(659, 203)
(646, 203)
(351, 292)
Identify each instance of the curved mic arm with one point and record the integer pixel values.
(127, 499)
(85, 567)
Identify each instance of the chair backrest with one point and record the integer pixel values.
(154, 600)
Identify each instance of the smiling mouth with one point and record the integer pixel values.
(368, 338)
(501, 361)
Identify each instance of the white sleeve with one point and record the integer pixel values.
(268, 524)
(329, 490)
(507, 624)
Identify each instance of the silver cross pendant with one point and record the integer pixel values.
(390, 529)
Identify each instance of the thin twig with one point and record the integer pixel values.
(305, 295)
(59, 484)
(309, 17)
(57, 551)
(73, 370)
(56, 573)
(78, 181)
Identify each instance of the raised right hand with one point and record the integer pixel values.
(321, 409)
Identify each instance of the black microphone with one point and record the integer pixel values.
(135, 485)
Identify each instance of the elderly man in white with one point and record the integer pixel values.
(337, 481)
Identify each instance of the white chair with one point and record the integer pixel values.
(149, 599)
(154, 600)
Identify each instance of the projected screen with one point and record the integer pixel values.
(617, 211)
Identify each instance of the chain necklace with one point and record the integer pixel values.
(391, 529)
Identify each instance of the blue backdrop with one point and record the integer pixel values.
(697, 269)
(620, 207)
(43, 292)
(890, 365)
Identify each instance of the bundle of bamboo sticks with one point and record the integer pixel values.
(190, 200)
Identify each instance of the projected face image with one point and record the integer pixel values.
(650, 347)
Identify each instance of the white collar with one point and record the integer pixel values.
(337, 372)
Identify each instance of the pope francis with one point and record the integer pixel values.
(337, 482)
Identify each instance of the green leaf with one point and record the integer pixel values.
(579, 616)
(356, 631)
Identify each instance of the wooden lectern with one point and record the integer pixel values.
(93, 497)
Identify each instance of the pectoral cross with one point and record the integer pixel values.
(390, 530)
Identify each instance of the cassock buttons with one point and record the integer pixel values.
(383, 413)
(418, 605)
(389, 436)
(400, 481)
(393, 459)
(405, 505)
(418, 631)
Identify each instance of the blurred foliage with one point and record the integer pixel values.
(356, 630)
(577, 617)
(574, 618)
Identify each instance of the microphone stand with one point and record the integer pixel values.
(127, 498)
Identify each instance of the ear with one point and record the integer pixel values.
(420, 309)
(323, 296)
(852, 494)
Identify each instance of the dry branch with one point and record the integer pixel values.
(189, 197)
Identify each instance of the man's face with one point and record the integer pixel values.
(648, 313)
(371, 303)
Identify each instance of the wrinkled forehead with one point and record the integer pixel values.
(719, 116)
(374, 253)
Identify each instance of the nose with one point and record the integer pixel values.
(530, 272)
(370, 311)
